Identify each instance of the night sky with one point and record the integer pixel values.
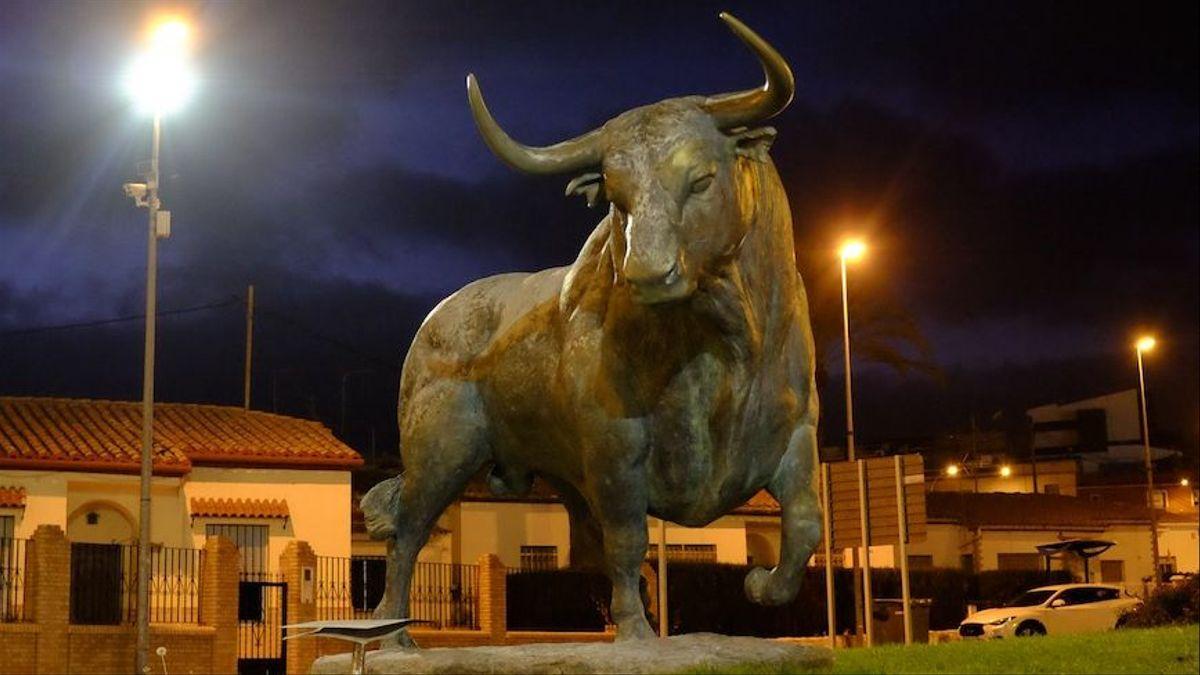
(1025, 173)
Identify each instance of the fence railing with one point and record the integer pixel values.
(104, 584)
(12, 580)
(444, 594)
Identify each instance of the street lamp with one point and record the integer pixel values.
(159, 82)
(1146, 344)
(1005, 471)
(952, 471)
(852, 250)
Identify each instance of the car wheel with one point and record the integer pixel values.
(1121, 622)
(1030, 629)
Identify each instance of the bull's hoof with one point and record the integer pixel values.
(765, 588)
(634, 629)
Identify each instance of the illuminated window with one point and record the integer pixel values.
(685, 553)
(537, 558)
(251, 541)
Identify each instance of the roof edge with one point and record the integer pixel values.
(90, 466)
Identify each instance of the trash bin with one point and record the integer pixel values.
(887, 616)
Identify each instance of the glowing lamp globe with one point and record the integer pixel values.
(160, 80)
(853, 250)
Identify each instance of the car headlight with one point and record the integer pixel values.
(1001, 622)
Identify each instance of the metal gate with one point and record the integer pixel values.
(262, 613)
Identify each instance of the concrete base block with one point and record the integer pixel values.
(673, 655)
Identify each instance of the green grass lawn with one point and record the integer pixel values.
(1152, 650)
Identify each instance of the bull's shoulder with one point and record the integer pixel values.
(468, 322)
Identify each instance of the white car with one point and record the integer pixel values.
(1053, 610)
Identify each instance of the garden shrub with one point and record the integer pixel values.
(1171, 604)
(709, 597)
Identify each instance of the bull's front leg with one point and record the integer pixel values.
(792, 486)
(618, 498)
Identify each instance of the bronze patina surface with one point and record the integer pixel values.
(667, 371)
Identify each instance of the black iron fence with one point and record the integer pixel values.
(444, 594)
(12, 580)
(104, 584)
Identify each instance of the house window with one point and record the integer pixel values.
(1112, 571)
(818, 560)
(1018, 561)
(1166, 566)
(368, 577)
(685, 553)
(920, 562)
(537, 558)
(1160, 499)
(251, 541)
(1052, 489)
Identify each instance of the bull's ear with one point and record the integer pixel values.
(588, 185)
(754, 143)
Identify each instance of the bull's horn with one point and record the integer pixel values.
(578, 153)
(744, 108)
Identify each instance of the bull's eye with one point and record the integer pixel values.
(701, 184)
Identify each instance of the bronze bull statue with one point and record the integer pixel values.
(668, 371)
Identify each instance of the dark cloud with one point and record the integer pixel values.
(1027, 174)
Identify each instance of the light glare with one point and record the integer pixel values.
(853, 249)
(952, 470)
(160, 81)
(1006, 471)
(1146, 343)
(1184, 482)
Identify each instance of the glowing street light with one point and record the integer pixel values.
(158, 82)
(1005, 471)
(952, 470)
(1145, 344)
(852, 250)
(1184, 482)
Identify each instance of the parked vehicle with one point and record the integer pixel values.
(1054, 610)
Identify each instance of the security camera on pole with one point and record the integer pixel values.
(159, 82)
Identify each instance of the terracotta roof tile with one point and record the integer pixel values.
(1005, 509)
(12, 497)
(96, 435)
(239, 508)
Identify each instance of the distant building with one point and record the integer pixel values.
(258, 478)
(1098, 431)
(979, 522)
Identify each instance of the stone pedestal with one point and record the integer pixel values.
(676, 654)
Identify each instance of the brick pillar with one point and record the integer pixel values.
(48, 592)
(493, 603)
(219, 601)
(298, 564)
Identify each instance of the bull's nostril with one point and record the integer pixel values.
(672, 275)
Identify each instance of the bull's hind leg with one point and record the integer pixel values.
(792, 486)
(444, 443)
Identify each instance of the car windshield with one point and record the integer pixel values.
(1030, 598)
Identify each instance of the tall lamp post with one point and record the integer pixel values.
(159, 82)
(1143, 345)
(851, 251)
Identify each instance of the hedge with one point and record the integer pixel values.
(709, 597)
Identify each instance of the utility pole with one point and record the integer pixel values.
(147, 468)
(249, 346)
(1146, 344)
